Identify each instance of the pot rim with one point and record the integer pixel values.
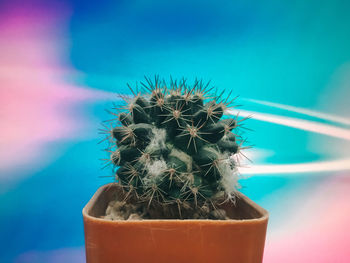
(264, 214)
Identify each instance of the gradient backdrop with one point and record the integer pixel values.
(61, 63)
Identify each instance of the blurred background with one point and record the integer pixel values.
(62, 63)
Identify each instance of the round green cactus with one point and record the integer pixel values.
(173, 144)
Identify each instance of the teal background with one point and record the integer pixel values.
(288, 52)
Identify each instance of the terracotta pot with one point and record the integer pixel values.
(238, 240)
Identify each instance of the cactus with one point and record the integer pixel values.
(173, 146)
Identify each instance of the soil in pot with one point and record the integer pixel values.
(122, 208)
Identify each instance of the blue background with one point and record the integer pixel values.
(288, 52)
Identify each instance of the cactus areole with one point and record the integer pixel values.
(174, 149)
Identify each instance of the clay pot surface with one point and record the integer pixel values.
(240, 239)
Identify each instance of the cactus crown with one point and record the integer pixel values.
(173, 145)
